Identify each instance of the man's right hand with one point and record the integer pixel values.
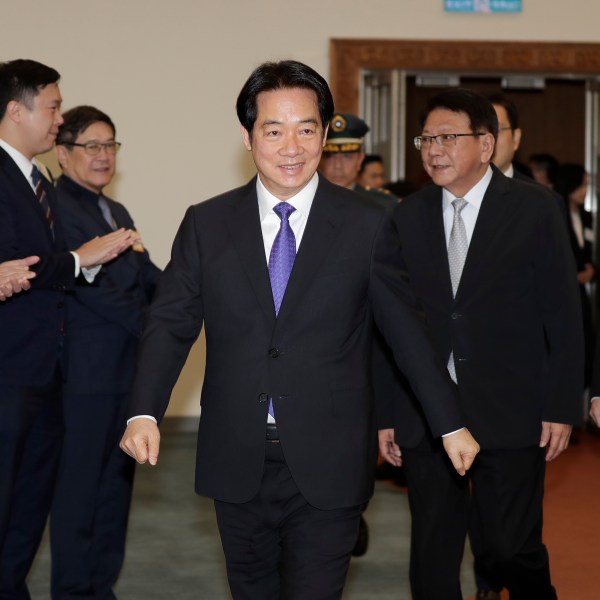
(141, 441)
(102, 249)
(462, 449)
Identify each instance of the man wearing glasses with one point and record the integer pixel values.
(93, 491)
(489, 258)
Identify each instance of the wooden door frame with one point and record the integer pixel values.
(349, 56)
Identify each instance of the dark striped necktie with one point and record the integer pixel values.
(36, 178)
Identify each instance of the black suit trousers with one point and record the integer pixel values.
(91, 503)
(31, 431)
(279, 547)
(499, 503)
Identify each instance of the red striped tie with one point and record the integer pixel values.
(36, 177)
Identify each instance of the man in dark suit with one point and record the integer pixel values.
(95, 479)
(32, 322)
(489, 258)
(287, 441)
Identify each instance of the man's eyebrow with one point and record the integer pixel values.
(300, 122)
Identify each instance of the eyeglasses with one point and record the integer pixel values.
(442, 139)
(94, 148)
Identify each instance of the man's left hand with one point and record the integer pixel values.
(461, 448)
(555, 438)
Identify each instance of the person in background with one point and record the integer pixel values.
(571, 183)
(32, 324)
(95, 479)
(371, 174)
(543, 168)
(343, 156)
(489, 258)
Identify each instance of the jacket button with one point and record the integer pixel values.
(454, 316)
(263, 397)
(273, 352)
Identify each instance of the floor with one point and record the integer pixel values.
(173, 547)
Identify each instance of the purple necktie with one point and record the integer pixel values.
(283, 254)
(281, 260)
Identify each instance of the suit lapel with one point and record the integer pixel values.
(246, 236)
(495, 203)
(433, 225)
(326, 216)
(25, 191)
(94, 213)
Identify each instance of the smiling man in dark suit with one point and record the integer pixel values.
(489, 258)
(287, 442)
(95, 479)
(32, 322)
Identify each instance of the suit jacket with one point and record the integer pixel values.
(105, 319)
(515, 323)
(313, 359)
(31, 322)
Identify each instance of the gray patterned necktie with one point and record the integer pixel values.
(105, 210)
(458, 247)
(458, 244)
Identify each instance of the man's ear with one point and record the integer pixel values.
(246, 137)
(516, 138)
(63, 156)
(14, 110)
(325, 135)
(487, 147)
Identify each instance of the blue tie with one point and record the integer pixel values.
(283, 254)
(281, 260)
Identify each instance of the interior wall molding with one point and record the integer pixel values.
(349, 56)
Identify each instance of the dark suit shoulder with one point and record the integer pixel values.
(228, 198)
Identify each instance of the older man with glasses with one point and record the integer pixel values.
(489, 258)
(93, 492)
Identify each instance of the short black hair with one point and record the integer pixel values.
(78, 119)
(368, 159)
(545, 162)
(285, 74)
(509, 106)
(479, 110)
(22, 80)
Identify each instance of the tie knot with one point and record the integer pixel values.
(283, 210)
(35, 175)
(458, 204)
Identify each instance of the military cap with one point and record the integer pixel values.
(345, 133)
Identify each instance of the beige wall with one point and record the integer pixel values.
(168, 73)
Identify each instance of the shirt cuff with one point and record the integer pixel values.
(77, 264)
(142, 417)
(452, 432)
(88, 273)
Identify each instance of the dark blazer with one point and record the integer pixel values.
(31, 322)
(313, 360)
(104, 319)
(514, 325)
